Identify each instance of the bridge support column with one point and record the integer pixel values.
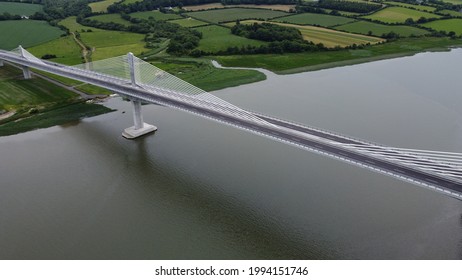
(1, 63)
(140, 128)
(26, 72)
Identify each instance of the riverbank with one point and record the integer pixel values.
(40, 102)
(291, 63)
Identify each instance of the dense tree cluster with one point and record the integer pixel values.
(8, 16)
(348, 6)
(57, 9)
(282, 38)
(267, 32)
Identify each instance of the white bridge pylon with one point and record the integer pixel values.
(142, 74)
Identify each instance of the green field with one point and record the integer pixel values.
(300, 62)
(71, 24)
(19, 8)
(115, 18)
(399, 15)
(233, 14)
(315, 19)
(189, 22)
(364, 27)
(155, 14)
(65, 49)
(202, 74)
(454, 24)
(328, 37)
(101, 6)
(26, 33)
(106, 43)
(457, 2)
(450, 13)
(17, 93)
(406, 5)
(216, 38)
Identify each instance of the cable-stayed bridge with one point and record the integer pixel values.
(140, 81)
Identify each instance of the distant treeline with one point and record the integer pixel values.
(347, 6)
(58, 9)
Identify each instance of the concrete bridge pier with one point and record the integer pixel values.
(140, 128)
(1, 63)
(26, 72)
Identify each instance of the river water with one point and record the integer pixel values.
(201, 190)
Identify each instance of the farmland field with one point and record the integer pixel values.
(363, 27)
(26, 33)
(329, 38)
(216, 38)
(155, 14)
(71, 24)
(276, 7)
(116, 18)
(451, 13)
(15, 93)
(457, 2)
(107, 44)
(19, 8)
(65, 48)
(399, 15)
(315, 19)
(447, 25)
(233, 14)
(189, 22)
(406, 5)
(101, 6)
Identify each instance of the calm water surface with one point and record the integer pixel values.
(201, 190)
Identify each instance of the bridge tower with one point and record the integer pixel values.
(140, 128)
(25, 70)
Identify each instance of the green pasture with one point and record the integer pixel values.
(17, 93)
(315, 19)
(399, 15)
(101, 6)
(155, 14)
(217, 38)
(450, 13)
(115, 18)
(448, 25)
(15, 8)
(456, 2)
(189, 22)
(65, 48)
(71, 24)
(106, 44)
(26, 33)
(406, 5)
(233, 14)
(364, 27)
